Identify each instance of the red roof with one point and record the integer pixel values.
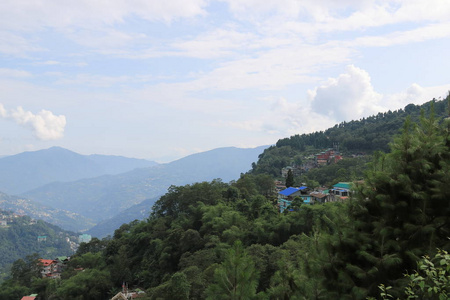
(28, 298)
(46, 262)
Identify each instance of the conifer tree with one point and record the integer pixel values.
(290, 179)
(401, 212)
(236, 278)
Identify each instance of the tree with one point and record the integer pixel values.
(236, 278)
(400, 213)
(91, 284)
(431, 280)
(25, 271)
(290, 179)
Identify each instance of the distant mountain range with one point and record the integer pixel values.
(106, 196)
(29, 170)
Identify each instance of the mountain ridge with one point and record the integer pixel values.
(28, 170)
(116, 193)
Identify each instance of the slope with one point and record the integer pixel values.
(106, 196)
(59, 217)
(19, 238)
(29, 170)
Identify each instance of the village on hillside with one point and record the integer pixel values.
(290, 197)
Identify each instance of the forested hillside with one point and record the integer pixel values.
(359, 136)
(60, 217)
(115, 194)
(216, 240)
(20, 237)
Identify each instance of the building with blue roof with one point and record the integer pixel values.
(285, 197)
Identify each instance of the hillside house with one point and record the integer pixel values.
(42, 238)
(340, 191)
(320, 197)
(279, 185)
(327, 157)
(61, 262)
(84, 238)
(286, 196)
(31, 297)
(3, 223)
(49, 268)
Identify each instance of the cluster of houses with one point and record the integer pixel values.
(327, 157)
(7, 218)
(339, 192)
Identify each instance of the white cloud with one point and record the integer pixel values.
(414, 94)
(45, 124)
(349, 96)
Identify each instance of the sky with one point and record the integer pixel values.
(164, 79)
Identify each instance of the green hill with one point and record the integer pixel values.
(24, 236)
(359, 136)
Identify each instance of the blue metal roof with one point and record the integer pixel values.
(289, 191)
(302, 187)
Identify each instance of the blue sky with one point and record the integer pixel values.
(163, 79)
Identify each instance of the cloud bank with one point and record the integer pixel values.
(45, 125)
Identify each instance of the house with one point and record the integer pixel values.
(61, 262)
(42, 238)
(328, 157)
(31, 297)
(340, 191)
(49, 268)
(286, 196)
(84, 238)
(279, 185)
(319, 197)
(3, 223)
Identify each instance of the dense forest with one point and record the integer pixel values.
(366, 135)
(19, 238)
(216, 240)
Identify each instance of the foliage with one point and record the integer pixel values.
(216, 240)
(20, 238)
(400, 213)
(236, 278)
(431, 280)
(289, 178)
(366, 135)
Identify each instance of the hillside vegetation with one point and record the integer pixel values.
(116, 193)
(366, 135)
(216, 240)
(19, 238)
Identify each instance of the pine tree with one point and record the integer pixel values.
(290, 179)
(236, 278)
(401, 212)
